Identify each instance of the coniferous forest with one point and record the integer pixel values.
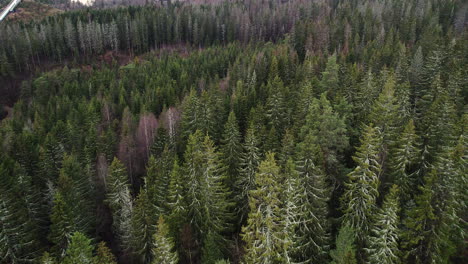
(254, 131)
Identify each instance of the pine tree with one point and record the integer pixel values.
(360, 197)
(345, 252)
(51, 157)
(76, 189)
(250, 160)
(163, 247)
(264, 233)
(80, 250)
(211, 252)
(383, 244)
(288, 148)
(231, 148)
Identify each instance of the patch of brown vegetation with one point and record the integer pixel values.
(28, 11)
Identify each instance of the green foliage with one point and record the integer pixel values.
(330, 81)
(190, 96)
(360, 197)
(313, 193)
(383, 243)
(403, 158)
(143, 227)
(345, 252)
(104, 255)
(328, 128)
(209, 204)
(264, 233)
(250, 160)
(80, 250)
(119, 200)
(231, 148)
(163, 247)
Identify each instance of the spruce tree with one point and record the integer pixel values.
(313, 230)
(264, 233)
(209, 207)
(385, 113)
(250, 160)
(345, 251)
(361, 193)
(329, 129)
(163, 247)
(62, 225)
(330, 80)
(80, 250)
(276, 106)
(104, 255)
(177, 197)
(157, 180)
(231, 148)
(383, 243)
(143, 227)
(119, 200)
(403, 158)
(20, 212)
(419, 237)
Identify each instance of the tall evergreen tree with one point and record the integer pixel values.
(329, 129)
(403, 158)
(383, 244)
(157, 180)
(330, 80)
(62, 225)
(80, 250)
(250, 160)
(119, 200)
(345, 252)
(163, 247)
(264, 233)
(177, 197)
(231, 148)
(209, 208)
(104, 255)
(360, 197)
(385, 113)
(313, 230)
(419, 237)
(143, 227)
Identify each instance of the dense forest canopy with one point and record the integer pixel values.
(256, 131)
